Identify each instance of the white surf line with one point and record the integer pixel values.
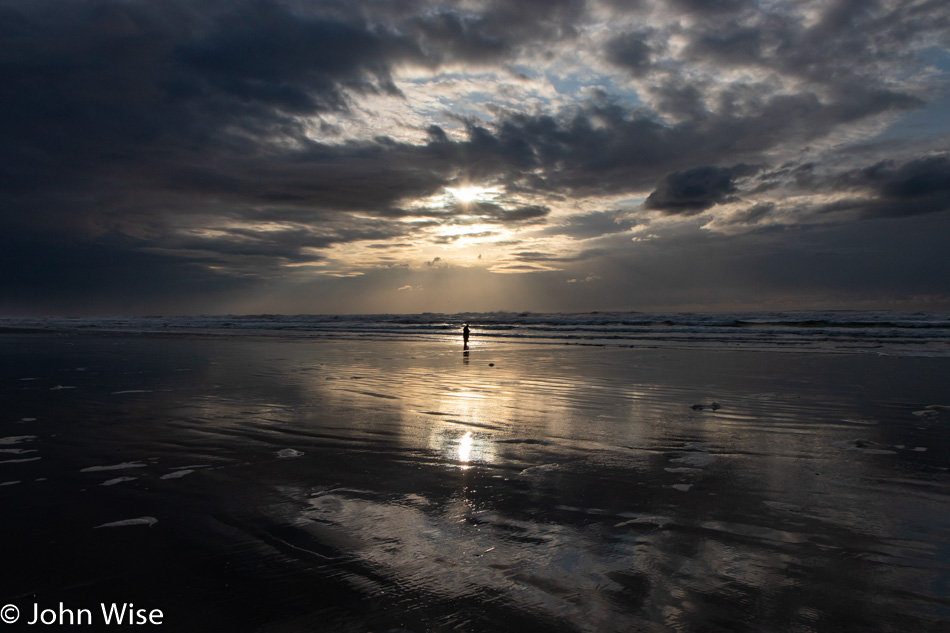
(149, 521)
(117, 480)
(122, 466)
(177, 474)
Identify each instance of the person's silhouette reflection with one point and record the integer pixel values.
(465, 333)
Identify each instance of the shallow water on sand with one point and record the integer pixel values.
(287, 485)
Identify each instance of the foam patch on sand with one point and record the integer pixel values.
(16, 439)
(9, 483)
(117, 480)
(149, 521)
(289, 452)
(864, 446)
(116, 393)
(178, 473)
(658, 521)
(539, 470)
(682, 487)
(17, 451)
(122, 466)
(781, 505)
(27, 419)
(15, 461)
(58, 387)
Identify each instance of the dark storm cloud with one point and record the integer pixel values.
(631, 51)
(531, 214)
(295, 64)
(500, 28)
(694, 191)
(921, 178)
(837, 42)
(712, 6)
(369, 175)
(916, 187)
(92, 85)
(752, 215)
(844, 50)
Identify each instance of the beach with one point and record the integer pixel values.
(250, 483)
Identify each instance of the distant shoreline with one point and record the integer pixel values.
(839, 332)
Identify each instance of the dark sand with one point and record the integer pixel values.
(349, 486)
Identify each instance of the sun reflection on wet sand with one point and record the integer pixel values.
(465, 448)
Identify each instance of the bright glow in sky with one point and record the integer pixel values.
(473, 193)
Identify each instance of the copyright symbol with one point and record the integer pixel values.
(9, 614)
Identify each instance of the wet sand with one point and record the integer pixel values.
(284, 485)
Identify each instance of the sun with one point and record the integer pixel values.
(471, 193)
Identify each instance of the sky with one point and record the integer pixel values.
(371, 156)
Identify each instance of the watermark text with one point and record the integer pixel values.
(108, 613)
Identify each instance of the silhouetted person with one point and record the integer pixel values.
(465, 333)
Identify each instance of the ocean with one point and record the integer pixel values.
(882, 332)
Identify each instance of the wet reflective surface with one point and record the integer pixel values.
(357, 486)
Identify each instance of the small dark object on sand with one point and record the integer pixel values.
(715, 405)
(698, 407)
(491, 364)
